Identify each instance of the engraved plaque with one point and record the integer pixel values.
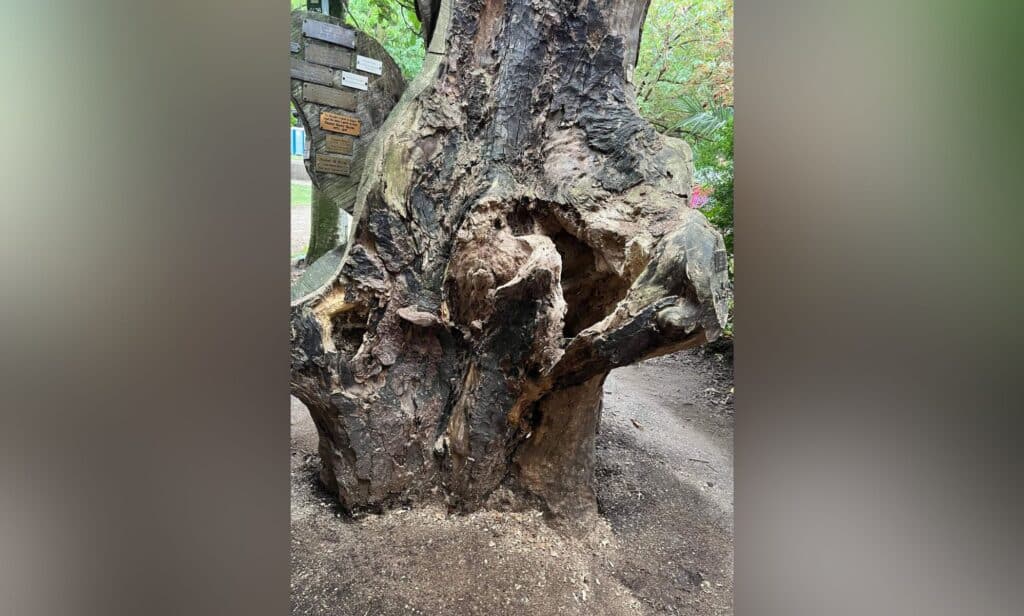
(295, 47)
(312, 93)
(721, 261)
(328, 55)
(304, 71)
(369, 65)
(352, 80)
(329, 32)
(338, 144)
(339, 123)
(333, 163)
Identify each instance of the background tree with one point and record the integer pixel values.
(324, 212)
(685, 65)
(519, 232)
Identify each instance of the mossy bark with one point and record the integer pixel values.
(519, 231)
(323, 232)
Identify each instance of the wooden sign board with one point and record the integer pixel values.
(369, 65)
(351, 80)
(312, 93)
(328, 55)
(338, 144)
(329, 32)
(333, 163)
(304, 71)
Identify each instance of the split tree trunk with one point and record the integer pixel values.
(519, 232)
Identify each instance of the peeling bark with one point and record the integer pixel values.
(519, 231)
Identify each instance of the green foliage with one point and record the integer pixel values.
(394, 24)
(685, 67)
(699, 120)
(713, 164)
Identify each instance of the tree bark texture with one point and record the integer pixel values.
(519, 231)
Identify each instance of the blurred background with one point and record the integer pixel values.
(142, 187)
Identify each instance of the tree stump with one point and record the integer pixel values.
(519, 231)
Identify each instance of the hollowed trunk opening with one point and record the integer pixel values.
(589, 289)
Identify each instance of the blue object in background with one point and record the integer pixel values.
(298, 140)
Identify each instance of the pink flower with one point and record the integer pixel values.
(700, 196)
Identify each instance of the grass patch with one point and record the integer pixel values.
(301, 193)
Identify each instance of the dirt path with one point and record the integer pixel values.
(662, 546)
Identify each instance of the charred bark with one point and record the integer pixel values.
(519, 231)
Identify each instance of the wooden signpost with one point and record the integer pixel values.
(328, 76)
(333, 71)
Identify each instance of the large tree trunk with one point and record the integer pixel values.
(519, 231)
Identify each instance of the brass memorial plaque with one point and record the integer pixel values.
(339, 144)
(328, 55)
(342, 99)
(329, 32)
(304, 71)
(339, 123)
(333, 163)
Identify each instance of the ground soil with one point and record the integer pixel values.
(662, 545)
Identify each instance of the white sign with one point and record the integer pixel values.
(369, 65)
(352, 80)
